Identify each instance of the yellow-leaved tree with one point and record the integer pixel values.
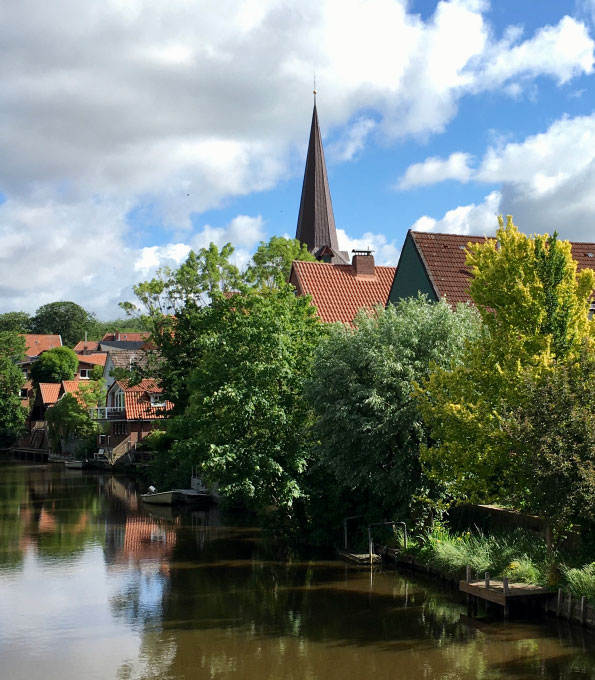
(535, 312)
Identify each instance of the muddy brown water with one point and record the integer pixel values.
(93, 584)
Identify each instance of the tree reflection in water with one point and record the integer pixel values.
(174, 594)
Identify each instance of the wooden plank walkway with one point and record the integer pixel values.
(358, 558)
(495, 592)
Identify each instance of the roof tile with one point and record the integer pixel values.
(36, 343)
(337, 292)
(444, 256)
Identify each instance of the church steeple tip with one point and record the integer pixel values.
(316, 221)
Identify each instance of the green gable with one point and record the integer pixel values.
(411, 277)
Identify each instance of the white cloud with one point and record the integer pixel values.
(434, 169)
(466, 219)
(385, 252)
(562, 52)
(352, 141)
(546, 182)
(543, 161)
(176, 107)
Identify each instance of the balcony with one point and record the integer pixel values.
(108, 413)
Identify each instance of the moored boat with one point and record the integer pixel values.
(75, 464)
(161, 497)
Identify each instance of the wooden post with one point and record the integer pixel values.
(505, 586)
(583, 610)
(487, 580)
(569, 607)
(468, 573)
(559, 603)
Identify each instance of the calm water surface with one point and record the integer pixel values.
(95, 585)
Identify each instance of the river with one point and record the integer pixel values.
(95, 585)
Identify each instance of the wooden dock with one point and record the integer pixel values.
(501, 592)
(495, 591)
(358, 558)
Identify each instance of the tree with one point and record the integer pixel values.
(69, 419)
(551, 470)
(534, 309)
(368, 424)
(55, 365)
(247, 422)
(67, 319)
(271, 263)
(12, 414)
(17, 322)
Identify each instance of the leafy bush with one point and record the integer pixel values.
(516, 555)
(523, 570)
(581, 581)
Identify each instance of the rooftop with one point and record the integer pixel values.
(444, 258)
(336, 290)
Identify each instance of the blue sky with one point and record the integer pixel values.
(136, 130)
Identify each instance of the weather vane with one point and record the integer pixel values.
(314, 90)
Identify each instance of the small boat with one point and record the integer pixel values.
(193, 496)
(161, 497)
(75, 464)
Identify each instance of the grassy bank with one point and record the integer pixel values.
(518, 555)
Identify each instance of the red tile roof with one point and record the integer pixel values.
(126, 336)
(49, 393)
(83, 346)
(35, 344)
(93, 359)
(444, 258)
(337, 292)
(137, 400)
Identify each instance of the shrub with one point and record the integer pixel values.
(581, 581)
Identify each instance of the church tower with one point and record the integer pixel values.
(316, 222)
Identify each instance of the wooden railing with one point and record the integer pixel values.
(116, 452)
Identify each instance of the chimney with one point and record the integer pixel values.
(363, 264)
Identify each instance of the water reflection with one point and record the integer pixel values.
(94, 584)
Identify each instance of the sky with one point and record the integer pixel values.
(134, 130)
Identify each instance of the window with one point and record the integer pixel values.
(24, 393)
(120, 428)
(157, 400)
(85, 373)
(118, 399)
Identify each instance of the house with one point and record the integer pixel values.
(87, 363)
(126, 336)
(35, 345)
(339, 289)
(125, 360)
(47, 395)
(435, 264)
(131, 412)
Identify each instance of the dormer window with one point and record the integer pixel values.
(85, 373)
(118, 399)
(157, 400)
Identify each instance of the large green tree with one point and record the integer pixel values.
(12, 414)
(67, 319)
(17, 322)
(55, 365)
(70, 418)
(551, 466)
(368, 423)
(174, 304)
(534, 309)
(271, 263)
(247, 422)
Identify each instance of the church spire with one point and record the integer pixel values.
(316, 222)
